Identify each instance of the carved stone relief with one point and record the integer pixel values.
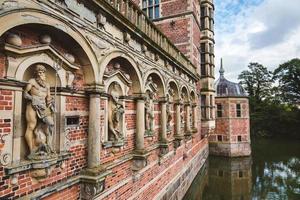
(117, 84)
(170, 96)
(115, 113)
(151, 89)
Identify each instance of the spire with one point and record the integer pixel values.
(221, 69)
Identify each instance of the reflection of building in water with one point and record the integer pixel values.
(229, 179)
(199, 185)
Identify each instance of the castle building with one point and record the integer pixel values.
(232, 134)
(104, 99)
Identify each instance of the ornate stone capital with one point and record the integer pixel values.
(94, 89)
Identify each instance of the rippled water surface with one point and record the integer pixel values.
(272, 172)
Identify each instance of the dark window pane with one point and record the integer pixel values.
(239, 138)
(150, 2)
(238, 110)
(220, 138)
(203, 72)
(150, 13)
(202, 11)
(156, 11)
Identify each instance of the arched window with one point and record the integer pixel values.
(151, 8)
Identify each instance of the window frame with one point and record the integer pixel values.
(238, 110)
(219, 110)
(146, 8)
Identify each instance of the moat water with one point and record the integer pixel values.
(272, 172)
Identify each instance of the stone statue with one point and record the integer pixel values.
(148, 115)
(115, 114)
(169, 116)
(39, 115)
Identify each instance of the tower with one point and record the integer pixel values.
(232, 134)
(207, 66)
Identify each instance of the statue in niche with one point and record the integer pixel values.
(149, 116)
(169, 114)
(115, 114)
(182, 112)
(169, 117)
(39, 116)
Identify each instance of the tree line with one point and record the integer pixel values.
(274, 98)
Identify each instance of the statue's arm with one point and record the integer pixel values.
(26, 92)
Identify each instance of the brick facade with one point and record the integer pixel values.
(87, 60)
(232, 135)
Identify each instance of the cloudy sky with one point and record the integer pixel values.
(264, 31)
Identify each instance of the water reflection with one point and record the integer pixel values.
(273, 172)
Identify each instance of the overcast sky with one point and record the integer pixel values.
(264, 31)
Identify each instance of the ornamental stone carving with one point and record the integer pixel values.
(39, 116)
(115, 114)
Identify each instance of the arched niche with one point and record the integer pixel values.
(154, 90)
(193, 97)
(172, 97)
(153, 79)
(116, 129)
(65, 56)
(63, 30)
(120, 71)
(184, 94)
(120, 61)
(173, 91)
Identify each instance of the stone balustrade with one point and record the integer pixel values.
(140, 20)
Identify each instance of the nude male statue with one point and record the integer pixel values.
(39, 114)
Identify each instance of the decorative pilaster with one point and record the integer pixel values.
(188, 119)
(94, 146)
(163, 140)
(94, 176)
(140, 154)
(178, 135)
(140, 124)
(195, 118)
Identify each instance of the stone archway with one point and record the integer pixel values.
(10, 20)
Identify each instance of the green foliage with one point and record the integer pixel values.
(288, 76)
(257, 81)
(273, 109)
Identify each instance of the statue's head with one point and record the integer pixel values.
(40, 71)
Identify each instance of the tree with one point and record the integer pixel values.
(257, 81)
(288, 76)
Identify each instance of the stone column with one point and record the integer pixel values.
(195, 125)
(188, 122)
(178, 119)
(140, 124)
(94, 139)
(163, 121)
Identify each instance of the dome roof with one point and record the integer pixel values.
(227, 88)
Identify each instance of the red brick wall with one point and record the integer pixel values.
(230, 126)
(171, 7)
(71, 193)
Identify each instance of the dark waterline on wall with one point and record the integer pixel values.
(272, 172)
